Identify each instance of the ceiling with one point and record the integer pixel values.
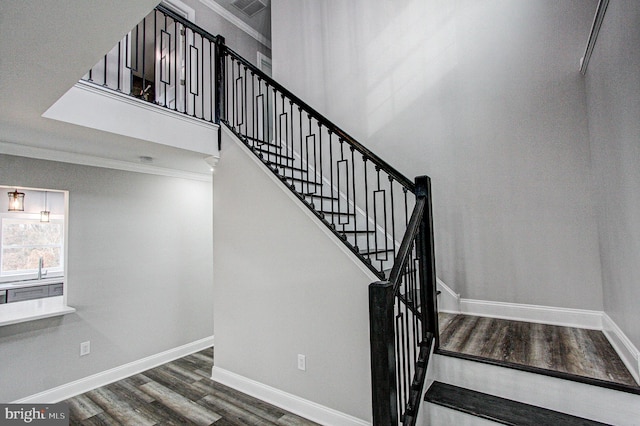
(45, 48)
(260, 21)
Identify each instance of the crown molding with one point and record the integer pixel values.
(9, 148)
(237, 22)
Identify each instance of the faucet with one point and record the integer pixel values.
(40, 265)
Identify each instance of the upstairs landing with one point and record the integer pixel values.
(571, 353)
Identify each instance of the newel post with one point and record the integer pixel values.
(383, 354)
(427, 262)
(220, 81)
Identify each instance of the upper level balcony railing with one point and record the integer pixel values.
(164, 60)
(381, 216)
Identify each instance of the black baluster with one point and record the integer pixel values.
(333, 203)
(119, 64)
(321, 160)
(104, 82)
(393, 221)
(366, 202)
(202, 77)
(353, 193)
(144, 50)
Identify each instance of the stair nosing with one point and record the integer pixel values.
(542, 371)
(499, 409)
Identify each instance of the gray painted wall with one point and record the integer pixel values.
(140, 274)
(613, 95)
(235, 38)
(486, 98)
(283, 287)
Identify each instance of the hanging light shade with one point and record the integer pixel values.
(16, 201)
(44, 215)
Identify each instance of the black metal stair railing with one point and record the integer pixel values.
(364, 201)
(359, 196)
(403, 320)
(383, 217)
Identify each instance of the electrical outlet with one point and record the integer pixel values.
(302, 362)
(85, 348)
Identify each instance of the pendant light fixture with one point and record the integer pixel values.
(44, 215)
(16, 201)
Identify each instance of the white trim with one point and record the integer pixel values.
(181, 9)
(449, 300)
(86, 384)
(262, 60)
(627, 351)
(237, 22)
(149, 106)
(89, 160)
(302, 207)
(579, 399)
(302, 407)
(567, 317)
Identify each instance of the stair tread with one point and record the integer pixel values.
(358, 231)
(310, 182)
(324, 197)
(337, 213)
(266, 151)
(369, 253)
(499, 409)
(261, 142)
(285, 166)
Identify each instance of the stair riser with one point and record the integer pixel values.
(566, 396)
(435, 415)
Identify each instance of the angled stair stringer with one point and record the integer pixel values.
(282, 287)
(284, 185)
(577, 399)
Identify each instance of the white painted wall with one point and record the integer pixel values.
(139, 274)
(91, 106)
(486, 98)
(613, 99)
(284, 287)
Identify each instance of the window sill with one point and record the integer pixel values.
(31, 310)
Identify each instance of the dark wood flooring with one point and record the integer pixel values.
(573, 351)
(179, 392)
(500, 410)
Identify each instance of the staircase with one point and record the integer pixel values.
(381, 216)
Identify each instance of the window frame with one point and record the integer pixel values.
(29, 274)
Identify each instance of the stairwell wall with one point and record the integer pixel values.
(283, 286)
(613, 95)
(486, 98)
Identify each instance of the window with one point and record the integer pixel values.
(26, 240)
(33, 256)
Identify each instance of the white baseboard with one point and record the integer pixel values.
(623, 346)
(302, 407)
(567, 317)
(86, 384)
(449, 300)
